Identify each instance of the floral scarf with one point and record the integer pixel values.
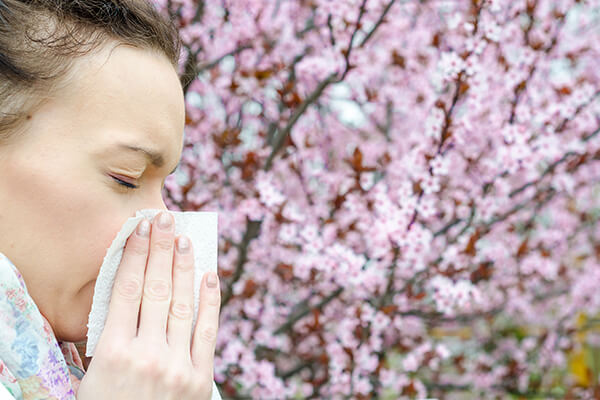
(33, 363)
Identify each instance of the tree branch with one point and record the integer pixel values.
(252, 231)
(306, 310)
(279, 138)
(379, 22)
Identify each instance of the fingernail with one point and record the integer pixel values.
(143, 228)
(183, 244)
(164, 221)
(211, 281)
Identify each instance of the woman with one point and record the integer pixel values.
(91, 122)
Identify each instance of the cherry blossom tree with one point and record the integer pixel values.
(408, 193)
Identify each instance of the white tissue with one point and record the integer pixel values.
(200, 227)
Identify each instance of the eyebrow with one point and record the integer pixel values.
(154, 157)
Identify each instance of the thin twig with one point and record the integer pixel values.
(252, 231)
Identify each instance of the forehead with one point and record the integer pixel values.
(127, 94)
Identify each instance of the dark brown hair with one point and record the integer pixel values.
(40, 41)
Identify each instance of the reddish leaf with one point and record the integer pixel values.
(523, 248)
(249, 289)
(470, 249)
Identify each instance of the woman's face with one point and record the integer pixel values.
(60, 205)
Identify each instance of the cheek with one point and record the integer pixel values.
(66, 222)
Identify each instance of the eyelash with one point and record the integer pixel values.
(126, 184)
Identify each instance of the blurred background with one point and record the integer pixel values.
(408, 194)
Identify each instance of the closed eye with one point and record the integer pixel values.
(123, 183)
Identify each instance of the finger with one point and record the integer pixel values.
(126, 294)
(181, 313)
(156, 297)
(205, 334)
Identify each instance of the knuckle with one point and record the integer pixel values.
(182, 310)
(149, 366)
(129, 288)
(185, 265)
(137, 247)
(177, 379)
(164, 244)
(208, 334)
(113, 355)
(157, 289)
(214, 299)
(202, 385)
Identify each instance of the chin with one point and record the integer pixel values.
(75, 333)
(73, 326)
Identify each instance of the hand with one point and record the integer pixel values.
(155, 358)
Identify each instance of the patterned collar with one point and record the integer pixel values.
(33, 363)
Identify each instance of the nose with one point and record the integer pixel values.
(156, 202)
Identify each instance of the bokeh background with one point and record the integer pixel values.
(408, 194)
